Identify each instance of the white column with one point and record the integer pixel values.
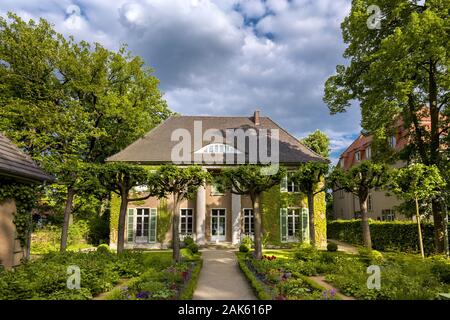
(200, 215)
(235, 218)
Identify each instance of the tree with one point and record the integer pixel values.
(318, 142)
(121, 178)
(359, 180)
(69, 103)
(251, 180)
(181, 183)
(399, 70)
(308, 177)
(417, 182)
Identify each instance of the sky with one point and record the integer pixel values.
(223, 57)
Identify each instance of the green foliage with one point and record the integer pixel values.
(261, 291)
(417, 181)
(397, 235)
(103, 248)
(162, 280)
(306, 252)
(332, 247)
(47, 238)
(46, 277)
(244, 248)
(25, 197)
(193, 247)
(369, 256)
(318, 142)
(188, 241)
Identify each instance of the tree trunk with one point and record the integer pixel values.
(175, 229)
(258, 228)
(439, 231)
(419, 230)
(312, 228)
(67, 214)
(365, 223)
(122, 220)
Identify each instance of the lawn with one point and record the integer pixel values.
(284, 274)
(46, 277)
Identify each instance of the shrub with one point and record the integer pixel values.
(332, 247)
(103, 248)
(306, 252)
(193, 247)
(442, 270)
(188, 241)
(396, 235)
(370, 256)
(244, 248)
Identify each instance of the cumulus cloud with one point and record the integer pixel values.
(223, 57)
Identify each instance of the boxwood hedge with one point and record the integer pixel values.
(386, 236)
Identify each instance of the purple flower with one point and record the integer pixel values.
(143, 295)
(325, 295)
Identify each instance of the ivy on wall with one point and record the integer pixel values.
(25, 197)
(163, 216)
(273, 200)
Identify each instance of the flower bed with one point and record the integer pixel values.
(272, 278)
(46, 278)
(173, 283)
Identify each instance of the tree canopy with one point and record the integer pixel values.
(399, 71)
(318, 142)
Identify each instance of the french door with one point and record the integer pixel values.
(218, 224)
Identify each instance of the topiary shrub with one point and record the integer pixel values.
(369, 256)
(193, 247)
(188, 241)
(244, 248)
(332, 247)
(103, 248)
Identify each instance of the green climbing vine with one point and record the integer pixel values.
(25, 197)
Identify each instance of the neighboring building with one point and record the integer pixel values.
(212, 217)
(381, 206)
(18, 167)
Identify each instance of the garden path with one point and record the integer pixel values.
(221, 278)
(345, 247)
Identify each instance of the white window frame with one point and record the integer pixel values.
(390, 216)
(135, 217)
(284, 187)
(218, 238)
(221, 148)
(251, 223)
(295, 236)
(358, 156)
(368, 152)
(186, 234)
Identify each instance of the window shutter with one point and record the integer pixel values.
(283, 185)
(283, 224)
(130, 225)
(305, 225)
(152, 226)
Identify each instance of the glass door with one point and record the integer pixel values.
(218, 224)
(142, 224)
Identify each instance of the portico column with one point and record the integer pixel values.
(235, 218)
(201, 215)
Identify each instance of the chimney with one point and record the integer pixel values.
(256, 119)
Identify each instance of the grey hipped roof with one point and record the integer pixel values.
(16, 164)
(156, 146)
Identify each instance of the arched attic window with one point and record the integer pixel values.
(218, 148)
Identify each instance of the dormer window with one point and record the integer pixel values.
(218, 148)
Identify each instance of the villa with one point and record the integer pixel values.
(211, 216)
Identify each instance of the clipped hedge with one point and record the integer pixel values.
(386, 236)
